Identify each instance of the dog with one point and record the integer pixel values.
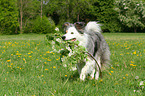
(90, 37)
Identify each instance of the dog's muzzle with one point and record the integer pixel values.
(63, 37)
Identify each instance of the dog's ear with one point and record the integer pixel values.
(65, 26)
(80, 26)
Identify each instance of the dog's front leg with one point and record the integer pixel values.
(83, 73)
(87, 69)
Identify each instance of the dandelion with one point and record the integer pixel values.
(126, 74)
(123, 77)
(110, 74)
(132, 62)
(65, 75)
(47, 52)
(42, 75)
(101, 80)
(134, 52)
(48, 60)
(112, 71)
(8, 60)
(46, 69)
(54, 67)
(57, 59)
(44, 82)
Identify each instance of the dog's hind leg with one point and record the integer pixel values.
(92, 74)
(97, 68)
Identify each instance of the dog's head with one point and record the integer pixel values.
(73, 31)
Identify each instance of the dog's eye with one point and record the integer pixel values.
(72, 32)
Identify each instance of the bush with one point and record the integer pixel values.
(40, 26)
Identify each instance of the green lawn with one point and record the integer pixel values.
(29, 68)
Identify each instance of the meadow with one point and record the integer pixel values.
(30, 67)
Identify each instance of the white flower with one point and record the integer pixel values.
(137, 4)
(137, 77)
(56, 29)
(141, 83)
(125, 7)
(59, 40)
(123, 3)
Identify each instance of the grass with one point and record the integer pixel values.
(29, 67)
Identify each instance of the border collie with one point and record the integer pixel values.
(90, 37)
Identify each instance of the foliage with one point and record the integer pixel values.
(102, 11)
(131, 13)
(8, 17)
(70, 51)
(38, 25)
(15, 18)
(85, 10)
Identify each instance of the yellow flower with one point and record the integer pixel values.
(123, 77)
(46, 69)
(54, 67)
(101, 80)
(65, 75)
(112, 67)
(44, 82)
(8, 60)
(47, 52)
(110, 74)
(126, 74)
(112, 71)
(132, 62)
(48, 60)
(134, 52)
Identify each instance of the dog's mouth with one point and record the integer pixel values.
(74, 39)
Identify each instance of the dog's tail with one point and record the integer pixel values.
(93, 26)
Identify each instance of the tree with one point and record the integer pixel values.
(103, 11)
(8, 17)
(68, 10)
(131, 13)
(29, 10)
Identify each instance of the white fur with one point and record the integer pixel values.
(93, 25)
(90, 65)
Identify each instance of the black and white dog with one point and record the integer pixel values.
(91, 38)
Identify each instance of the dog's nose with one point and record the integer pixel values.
(63, 37)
